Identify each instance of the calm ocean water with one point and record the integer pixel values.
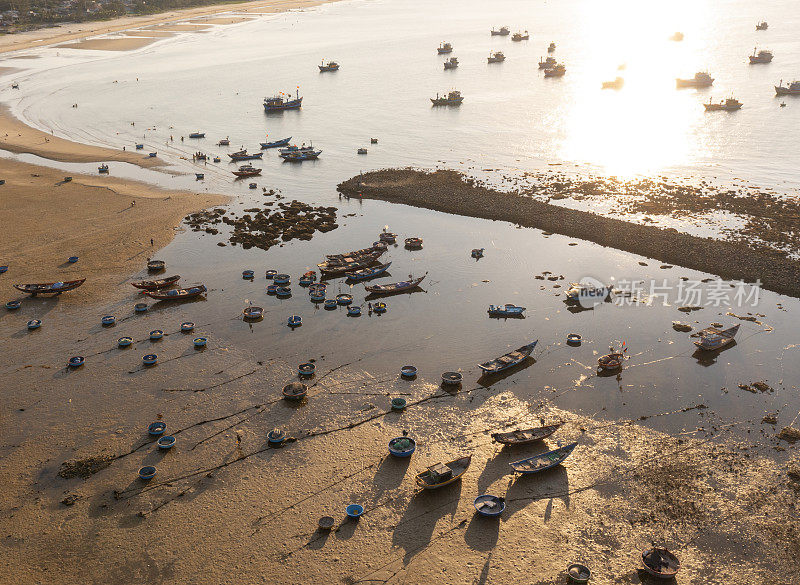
(512, 120)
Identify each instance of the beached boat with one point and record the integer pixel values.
(713, 339)
(700, 79)
(331, 268)
(616, 84)
(611, 362)
(294, 321)
(243, 155)
(276, 143)
(356, 254)
(729, 105)
(543, 461)
(442, 474)
(176, 294)
(387, 237)
(197, 135)
(247, 171)
(518, 36)
(55, 288)
(367, 273)
(224, 142)
(453, 98)
(451, 63)
(489, 505)
(762, 25)
(508, 360)
(156, 265)
(295, 391)
(102, 168)
(413, 243)
(253, 313)
(762, 56)
(503, 31)
(496, 57)
(329, 66)
(792, 89)
(444, 48)
(395, 287)
(547, 63)
(402, 446)
(300, 155)
(156, 284)
(139, 146)
(199, 156)
(557, 70)
(525, 436)
(282, 102)
(660, 563)
(507, 310)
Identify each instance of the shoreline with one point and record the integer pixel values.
(450, 192)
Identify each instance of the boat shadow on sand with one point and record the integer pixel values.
(390, 474)
(551, 484)
(707, 358)
(408, 291)
(489, 380)
(421, 516)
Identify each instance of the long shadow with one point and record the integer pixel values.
(708, 358)
(537, 486)
(482, 533)
(408, 291)
(390, 474)
(498, 466)
(489, 380)
(419, 520)
(483, 578)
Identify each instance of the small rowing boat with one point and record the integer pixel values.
(507, 310)
(197, 135)
(253, 313)
(276, 143)
(156, 265)
(713, 339)
(367, 273)
(156, 284)
(443, 474)
(395, 287)
(525, 436)
(176, 294)
(660, 563)
(611, 361)
(295, 391)
(55, 288)
(543, 461)
(508, 360)
(247, 171)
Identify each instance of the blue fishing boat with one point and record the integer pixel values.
(76, 361)
(305, 280)
(283, 291)
(187, 326)
(200, 341)
(295, 321)
(306, 369)
(140, 307)
(354, 511)
(408, 371)
(248, 274)
(276, 437)
(452, 378)
(507, 310)
(157, 428)
(295, 391)
(124, 341)
(543, 461)
(276, 143)
(367, 273)
(72, 259)
(108, 320)
(281, 279)
(300, 155)
(574, 339)
(103, 169)
(3, 269)
(270, 274)
(344, 299)
(150, 359)
(488, 505)
(402, 446)
(147, 472)
(330, 304)
(508, 360)
(354, 311)
(14, 305)
(282, 102)
(153, 155)
(34, 323)
(197, 135)
(379, 307)
(139, 146)
(242, 155)
(399, 404)
(253, 313)
(156, 334)
(318, 295)
(199, 176)
(166, 442)
(477, 253)
(272, 289)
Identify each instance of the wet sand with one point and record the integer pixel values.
(110, 44)
(451, 192)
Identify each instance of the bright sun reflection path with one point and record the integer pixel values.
(647, 125)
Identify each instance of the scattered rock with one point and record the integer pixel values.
(84, 468)
(789, 434)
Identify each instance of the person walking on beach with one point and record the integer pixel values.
(151, 241)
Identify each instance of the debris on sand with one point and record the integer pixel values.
(84, 468)
(678, 326)
(789, 434)
(689, 309)
(770, 419)
(754, 387)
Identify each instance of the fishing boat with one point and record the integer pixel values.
(253, 313)
(295, 148)
(489, 505)
(525, 436)
(452, 378)
(660, 563)
(442, 474)
(76, 361)
(224, 142)
(496, 57)
(283, 291)
(197, 135)
(199, 176)
(713, 339)
(3, 269)
(329, 66)
(176, 294)
(676, 36)
(508, 360)
(300, 156)
(518, 36)
(762, 56)
(444, 48)
(282, 102)
(294, 321)
(792, 89)
(762, 25)
(281, 279)
(317, 296)
(367, 273)
(243, 155)
(55, 288)
(729, 105)
(402, 446)
(139, 147)
(551, 48)
(379, 307)
(700, 79)
(543, 461)
(330, 303)
(611, 362)
(217, 159)
(156, 265)
(295, 391)
(332, 268)
(503, 31)
(557, 70)
(156, 284)
(507, 310)
(354, 311)
(276, 143)
(247, 171)
(34, 324)
(15, 85)
(395, 287)
(477, 253)
(344, 298)
(102, 168)
(547, 63)
(387, 237)
(355, 254)
(616, 84)
(413, 243)
(361, 150)
(199, 156)
(453, 98)
(308, 278)
(451, 63)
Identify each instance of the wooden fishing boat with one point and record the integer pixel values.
(518, 36)
(283, 102)
(354, 255)
(713, 339)
(477, 253)
(247, 171)
(55, 288)
(507, 310)
(367, 273)
(330, 268)
(156, 284)
(295, 391)
(660, 563)
(443, 474)
(276, 143)
(502, 32)
(156, 265)
(395, 287)
(329, 66)
(253, 313)
(496, 57)
(413, 243)
(300, 155)
(242, 155)
(489, 505)
(224, 142)
(611, 362)
(102, 168)
(508, 360)
(524, 436)
(543, 461)
(176, 294)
